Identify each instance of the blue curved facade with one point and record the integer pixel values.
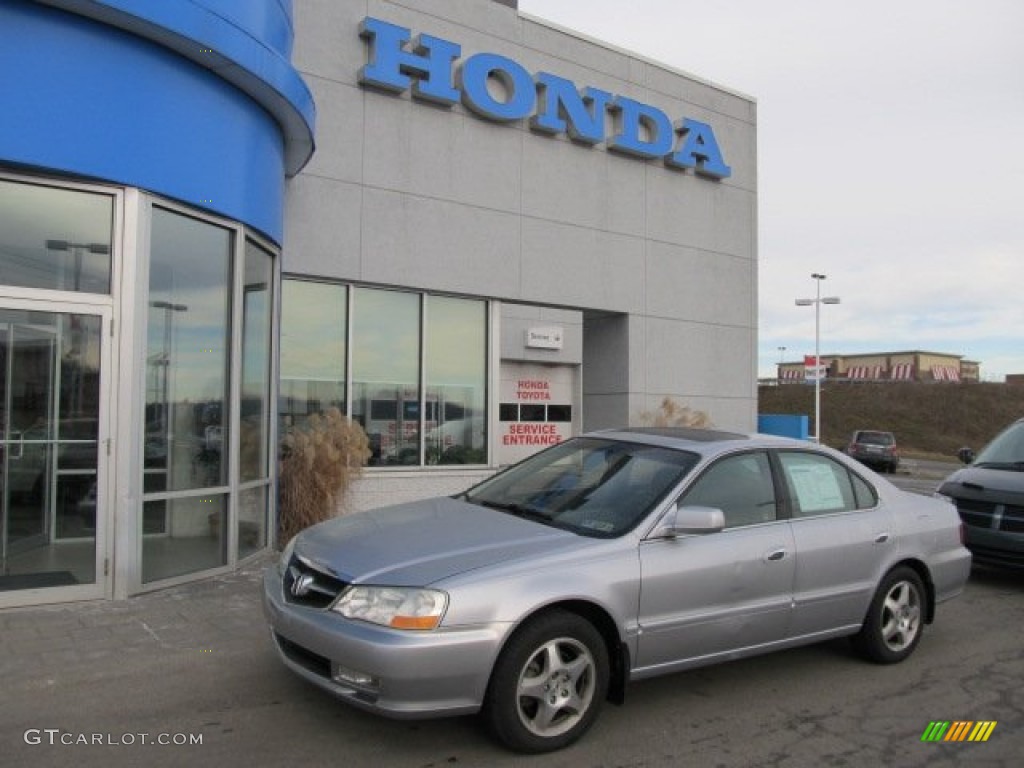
(195, 100)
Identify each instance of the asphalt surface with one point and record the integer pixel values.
(140, 682)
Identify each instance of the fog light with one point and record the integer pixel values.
(347, 676)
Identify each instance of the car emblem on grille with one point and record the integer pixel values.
(302, 584)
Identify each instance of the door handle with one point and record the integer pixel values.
(882, 538)
(775, 555)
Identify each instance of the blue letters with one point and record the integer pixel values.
(563, 110)
(699, 151)
(643, 130)
(517, 83)
(390, 64)
(498, 88)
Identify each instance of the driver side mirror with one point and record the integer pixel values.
(966, 455)
(682, 521)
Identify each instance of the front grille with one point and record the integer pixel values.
(975, 512)
(982, 514)
(305, 585)
(1013, 519)
(304, 657)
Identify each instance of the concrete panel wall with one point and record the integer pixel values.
(660, 262)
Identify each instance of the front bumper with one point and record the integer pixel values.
(409, 674)
(994, 547)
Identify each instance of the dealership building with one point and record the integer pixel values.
(473, 232)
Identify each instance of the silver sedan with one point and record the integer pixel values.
(537, 595)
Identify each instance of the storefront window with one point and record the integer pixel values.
(254, 428)
(55, 239)
(392, 333)
(252, 520)
(313, 349)
(385, 373)
(456, 381)
(187, 392)
(194, 538)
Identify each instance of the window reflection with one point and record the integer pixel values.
(252, 520)
(49, 447)
(385, 373)
(187, 389)
(386, 337)
(55, 239)
(254, 433)
(187, 351)
(456, 376)
(313, 349)
(195, 536)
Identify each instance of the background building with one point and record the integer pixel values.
(506, 234)
(913, 365)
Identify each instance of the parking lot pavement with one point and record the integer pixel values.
(927, 468)
(216, 611)
(196, 662)
(42, 647)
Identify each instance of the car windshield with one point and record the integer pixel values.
(1006, 451)
(591, 486)
(875, 438)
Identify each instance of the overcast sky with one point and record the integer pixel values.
(890, 158)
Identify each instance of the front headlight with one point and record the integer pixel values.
(396, 607)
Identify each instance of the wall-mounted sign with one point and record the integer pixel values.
(545, 338)
(537, 406)
(497, 88)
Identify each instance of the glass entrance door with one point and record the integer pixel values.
(51, 466)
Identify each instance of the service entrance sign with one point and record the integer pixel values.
(538, 408)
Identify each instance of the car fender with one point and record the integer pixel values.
(605, 576)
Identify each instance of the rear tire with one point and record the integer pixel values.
(895, 620)
(548, 684)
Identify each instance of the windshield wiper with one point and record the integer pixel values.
(519, 510)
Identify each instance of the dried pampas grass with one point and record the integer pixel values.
(318, 464)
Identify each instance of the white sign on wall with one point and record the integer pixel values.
(545, 338)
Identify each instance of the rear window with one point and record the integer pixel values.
(876, 438)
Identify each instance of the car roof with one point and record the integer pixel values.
(705, 441)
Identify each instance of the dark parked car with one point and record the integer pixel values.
(875, 449)
(989, 494)
(612, 557)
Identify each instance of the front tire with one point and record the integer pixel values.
(548, 684)
(895, 620)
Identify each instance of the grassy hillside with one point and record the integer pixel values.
(930, 419)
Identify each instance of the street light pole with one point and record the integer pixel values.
(817, 301)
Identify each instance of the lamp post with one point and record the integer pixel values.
(817, 301)
(164, 360)
(77, 249)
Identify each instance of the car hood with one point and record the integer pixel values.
(422, 542)
(998, 480)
